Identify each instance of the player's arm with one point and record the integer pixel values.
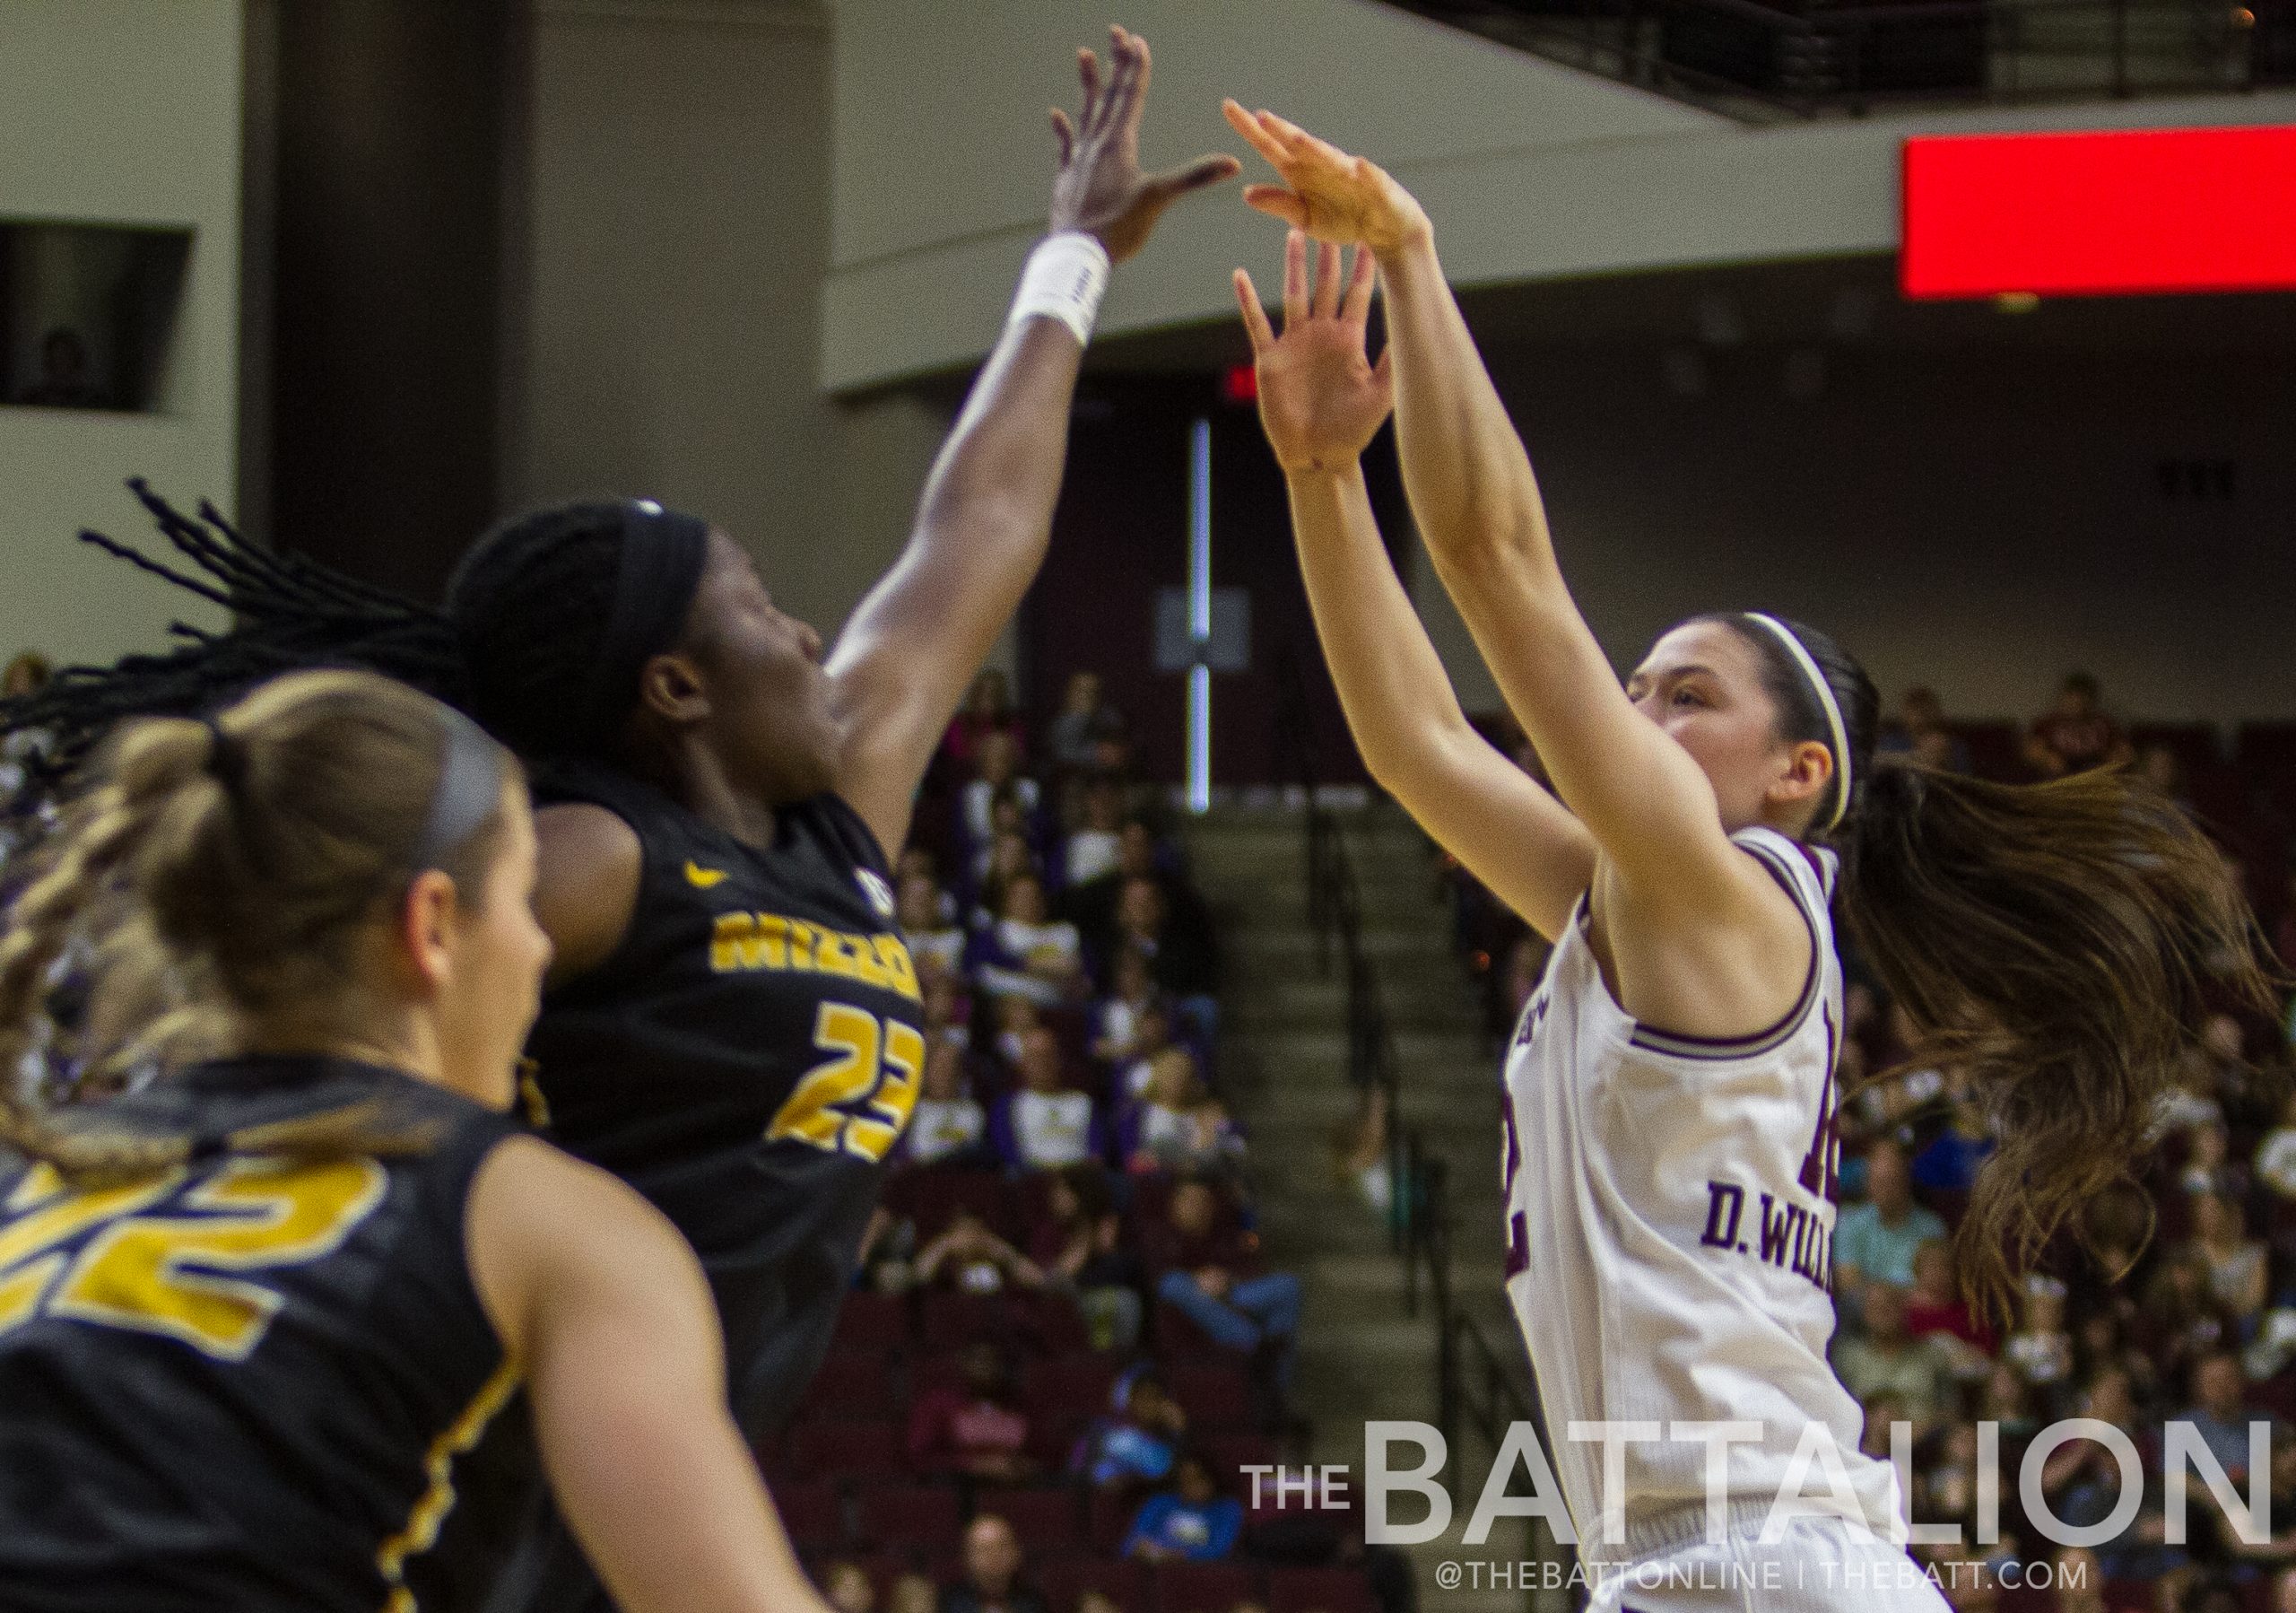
(1645, 802)
(1321, 403)
(587, 865)
(605, 1304)
(902, 662)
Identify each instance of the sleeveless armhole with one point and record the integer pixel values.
(1673, 1044)
(588, 785)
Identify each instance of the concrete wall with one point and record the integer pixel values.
(122, 112)
(1531, 172)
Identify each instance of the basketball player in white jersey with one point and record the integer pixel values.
(1667, 1139)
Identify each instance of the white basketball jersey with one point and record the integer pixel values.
(1670, 1226)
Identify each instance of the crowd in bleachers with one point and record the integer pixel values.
(2183, 1306)
(1065, 1348)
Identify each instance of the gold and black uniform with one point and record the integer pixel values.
(746, 1058)
(244, 1383)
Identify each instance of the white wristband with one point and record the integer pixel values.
(1064, 280)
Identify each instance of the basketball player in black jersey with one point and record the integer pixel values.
(732, 1018)
(251, 1314)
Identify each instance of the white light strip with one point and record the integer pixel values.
(1199, 616)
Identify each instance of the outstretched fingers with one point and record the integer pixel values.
(1208, 169)
(1088, 68)
(1064, 133)
(1278, 203)
(1327, 303)
(1256, 324)
(1250, 126)
(1295, 278)
(1365, 279)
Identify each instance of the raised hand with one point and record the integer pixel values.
(1347, 201)
(1100, 187)
(1321, 399)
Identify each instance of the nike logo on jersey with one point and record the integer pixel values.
(701, 879)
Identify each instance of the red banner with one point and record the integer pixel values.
(2073, 214)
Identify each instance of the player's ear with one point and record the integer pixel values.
(671, 685)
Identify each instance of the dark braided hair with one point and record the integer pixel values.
(293, 613)
(526, 616)
(531, 601)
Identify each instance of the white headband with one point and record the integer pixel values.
(1809, 666)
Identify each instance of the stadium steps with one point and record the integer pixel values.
(1284, 1050)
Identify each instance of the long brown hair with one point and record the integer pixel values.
(2063, 943)
(207, 871)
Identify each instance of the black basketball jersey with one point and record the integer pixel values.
(746, 1058)
(245, 1383)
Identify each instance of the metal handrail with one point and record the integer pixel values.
(1473, 1386)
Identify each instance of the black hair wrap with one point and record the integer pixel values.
(657, 576)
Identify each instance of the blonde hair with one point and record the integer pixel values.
(209, 870)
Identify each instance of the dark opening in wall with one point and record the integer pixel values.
(89, 314)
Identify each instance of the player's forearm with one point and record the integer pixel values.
(987, 508)
(1398, 698)
(1464, 468)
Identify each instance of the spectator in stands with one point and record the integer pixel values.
(1874, 1241)
(1883, 1358)
(1137, 1443)
(1935, 1309)
(1211, 1272)
(1045, 1124)
(948, 1011)
(1029, 953)
(948, 1125)
(912, 1592)
(2279, 1543)
(988, 710)
(1948, 1485)
(1181, 1128)
(995, 860)
(28, 674)
(2041, 1350)
(1919, 732)
(1184, 964)
(846, 1588)
(2082, 1481)
(2220, 1413)
(1097, 844)
(2181, 1323)
(2209, 1165)
(1187, 926)
(2075, 735)
(1151, 1034)
(997, 776)
(2006, 1399)
(64, 381)
(2160, 767)
(978, 1429)
(935, 940)
(1085, 720)
(973, 1258)
(1192, 1523)
(1117, 1017)
(2235, 1263)
(2276, 1154)
(2076, 1582)
(1079, 1246)
(1949, 1161)
(1016, 1018)
(992, 1581)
